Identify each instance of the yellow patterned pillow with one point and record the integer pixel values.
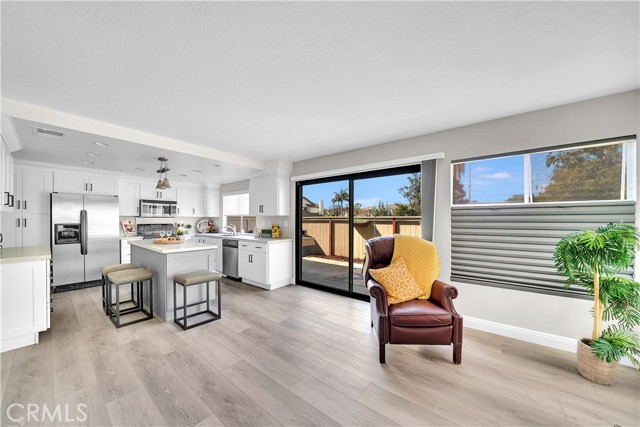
(421, 258)
(397, 281)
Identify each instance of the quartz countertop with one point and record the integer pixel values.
(133, 237)
(26, 254)
(186, 246)
(242, 237)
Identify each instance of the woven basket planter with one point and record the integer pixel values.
(596, 370)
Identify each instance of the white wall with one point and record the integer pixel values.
(606, 117)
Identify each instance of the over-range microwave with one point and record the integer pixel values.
(157, 209)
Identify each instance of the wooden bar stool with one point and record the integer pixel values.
(190, 279)
(106, 269)
(131, 276)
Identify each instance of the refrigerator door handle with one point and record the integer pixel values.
(83, 232)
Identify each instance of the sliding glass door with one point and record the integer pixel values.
(337, 215)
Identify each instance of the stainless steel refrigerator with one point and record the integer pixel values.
(84, 236)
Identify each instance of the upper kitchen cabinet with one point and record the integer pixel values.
(149, 192)
(212, 203)
(68, 182)
(269, 193)
(190, 201)
(129, 198)
(32, 187)
(6, 178)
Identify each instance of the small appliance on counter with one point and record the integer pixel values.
(275, 231)
(265, 233)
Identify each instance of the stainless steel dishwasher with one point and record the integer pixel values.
(230, 258)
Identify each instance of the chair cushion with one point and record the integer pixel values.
(419, 313)
(195, 277)
(421, 258)
(397, 281)
(106, 269)
(129, 276)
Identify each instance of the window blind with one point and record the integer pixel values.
(513, 246)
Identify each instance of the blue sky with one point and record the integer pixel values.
(494, 180)
(368, 192)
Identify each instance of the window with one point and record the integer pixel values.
(508, 212)
(235, 210)
(594, 172)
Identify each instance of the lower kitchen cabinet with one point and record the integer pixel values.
(25, 303)
(125, 249)
(211, 241)
(266, 265)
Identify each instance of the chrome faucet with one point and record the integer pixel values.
(233, 227)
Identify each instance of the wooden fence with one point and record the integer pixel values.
(331, 234)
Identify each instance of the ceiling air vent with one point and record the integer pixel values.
(49, 133)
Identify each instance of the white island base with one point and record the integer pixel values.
(165, 261)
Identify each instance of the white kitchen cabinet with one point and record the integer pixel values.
(25, 229)
(129, 198)
(149, 192)
(266, 265)
(190, 202)
(269, 194)
(252, 262)
(29, 224)
(25, 303)
(33, 190)
(6, 179)
(125, 249)
(70, 182)
(212, 203)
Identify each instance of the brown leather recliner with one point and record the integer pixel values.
(432, 321)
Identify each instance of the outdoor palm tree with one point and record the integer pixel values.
(339, 197)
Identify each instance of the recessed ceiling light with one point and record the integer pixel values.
(92, 155)
(181, 174)
(101, 144)
(139, 169)
(87, 163)
(196, 170)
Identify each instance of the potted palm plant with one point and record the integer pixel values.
(593, 259)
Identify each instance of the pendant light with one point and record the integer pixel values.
(163, 184)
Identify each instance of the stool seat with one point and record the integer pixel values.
(129, 276)
(106, 269)
(197, 277)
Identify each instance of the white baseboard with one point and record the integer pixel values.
(528, 335)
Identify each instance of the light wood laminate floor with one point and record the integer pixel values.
(295, 356)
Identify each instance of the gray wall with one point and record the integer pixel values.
(606, 117)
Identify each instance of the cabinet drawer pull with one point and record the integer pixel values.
(24, 202)
(18, 205)
(18, 222)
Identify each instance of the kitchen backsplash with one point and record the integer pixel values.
(177, 220)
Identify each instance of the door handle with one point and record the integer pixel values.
(8, 196)
(18, 222)
(91, 187)
(24, 222)
(11, 198)
(18, 205)
(194, 211)
(24, 202)
(86, 186)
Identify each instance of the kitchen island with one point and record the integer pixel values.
(167, 260)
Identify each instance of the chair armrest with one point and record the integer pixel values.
(443, 294)
(377, 291)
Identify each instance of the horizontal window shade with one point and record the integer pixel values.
(513, 246)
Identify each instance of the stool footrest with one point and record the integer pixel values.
(214, 316)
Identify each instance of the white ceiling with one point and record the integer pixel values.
(120, 156)
(296, 80)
